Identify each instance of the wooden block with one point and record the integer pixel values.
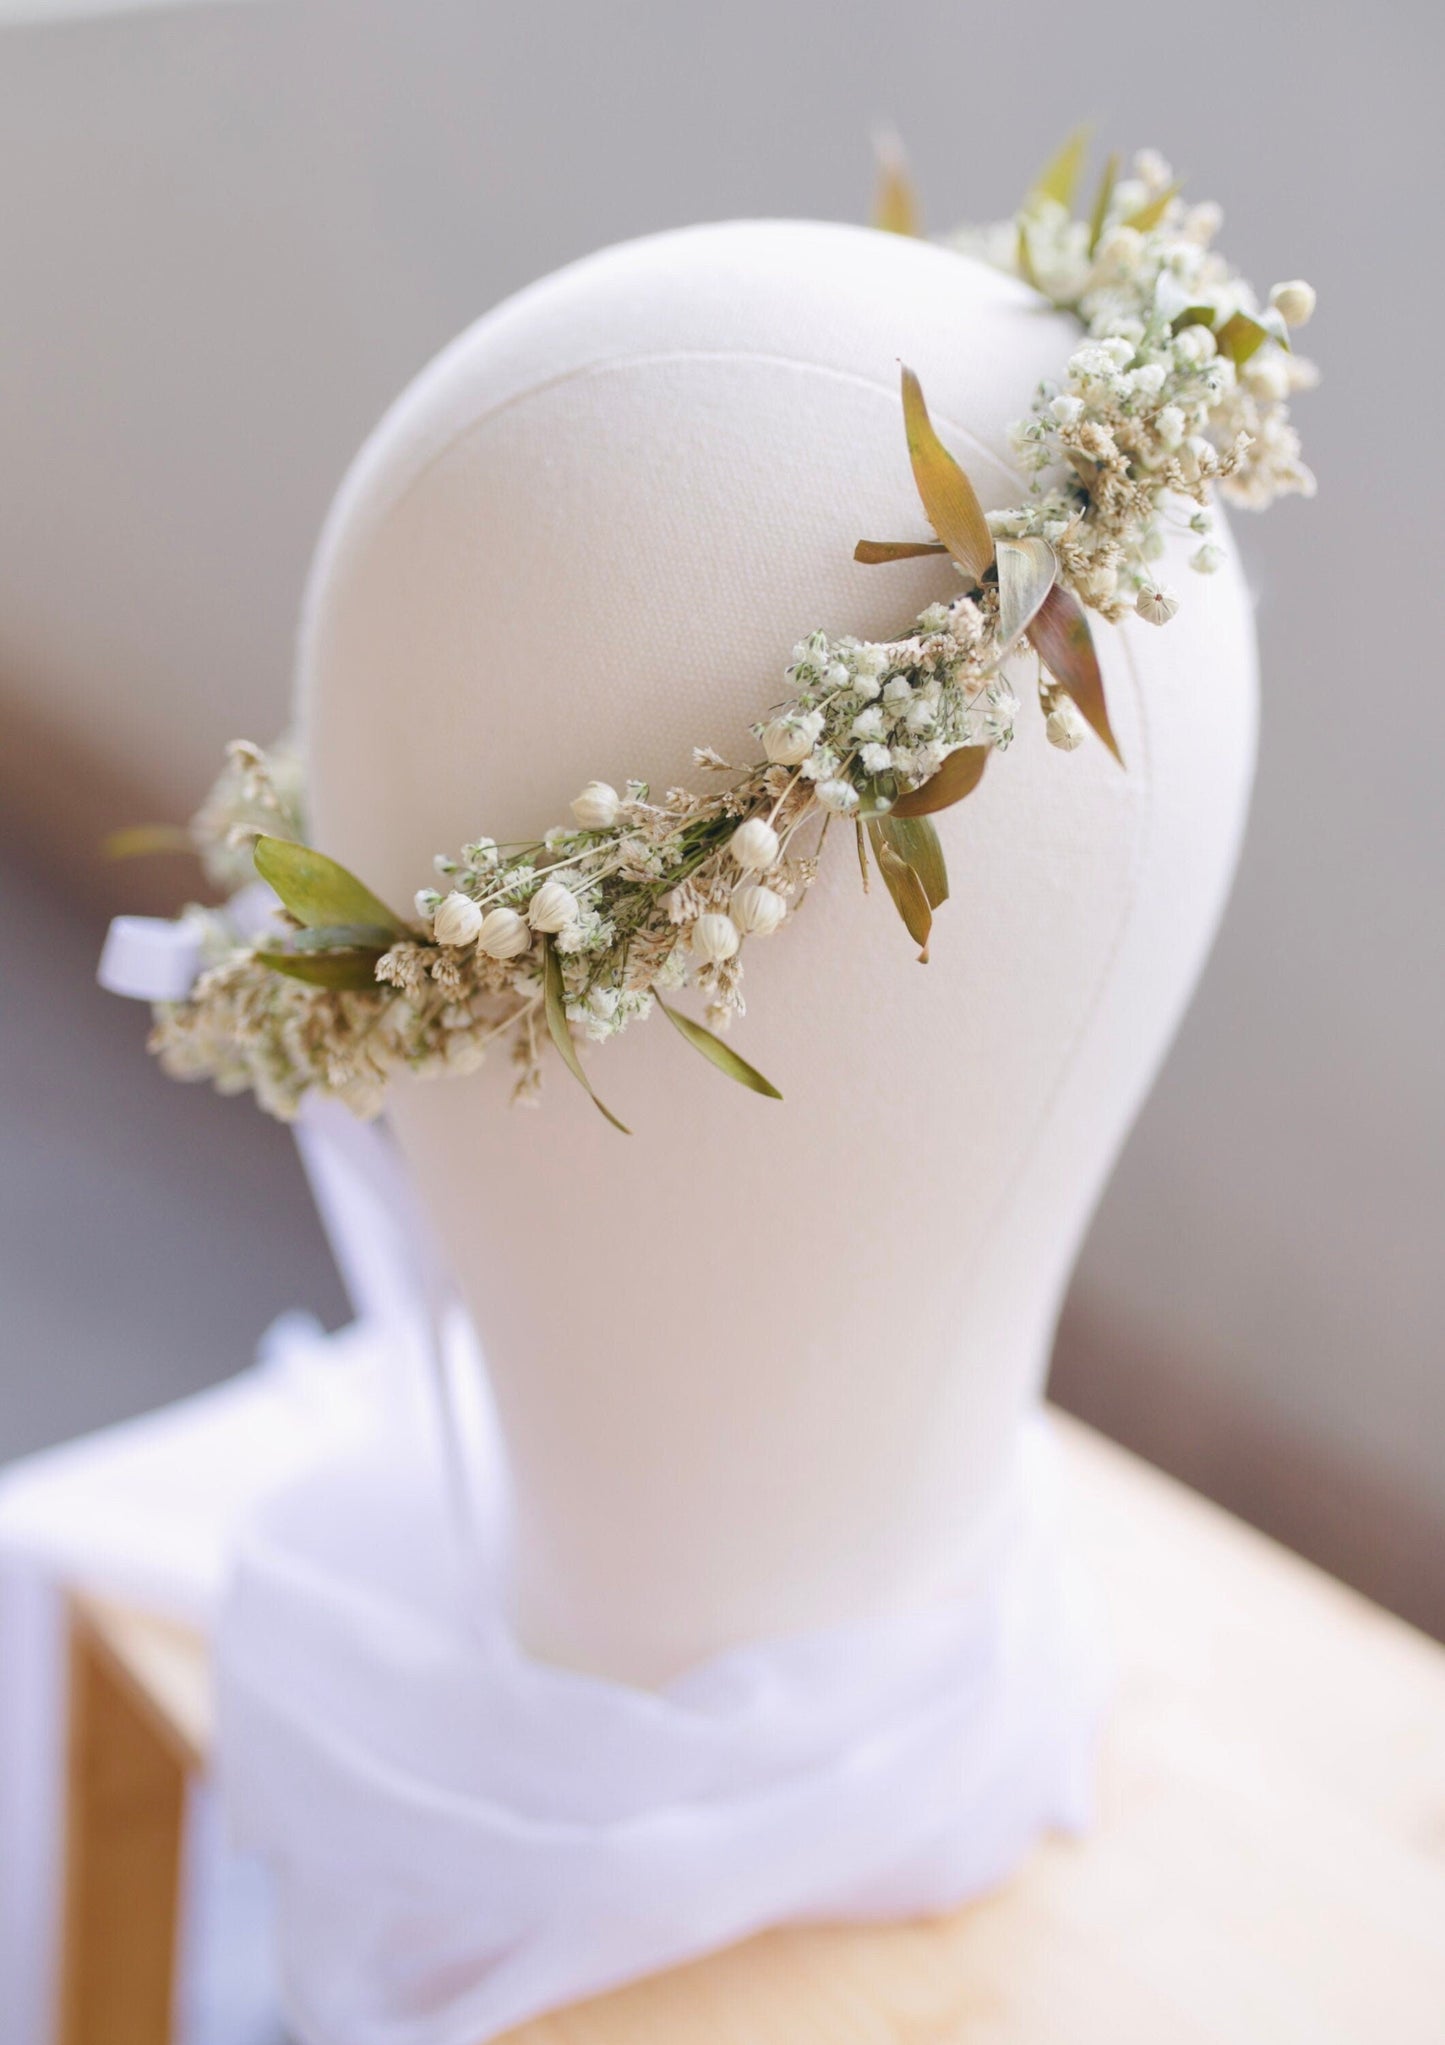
(126, 1784)
(1268, 1867)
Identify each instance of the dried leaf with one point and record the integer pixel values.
(1061, 637)
(348, 972)
(713, 1048)
(895, 200)
(139, 841)
(916, 841)
(558, 1029)
(1101, 200)
(1026, 571)
(872, 552)
(316, 890)
(907, 890)
(1153, 210)
(1059, 178)
(953, 510)
(1243, 333)
(959, 775)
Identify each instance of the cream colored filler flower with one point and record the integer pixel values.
(1180, 384)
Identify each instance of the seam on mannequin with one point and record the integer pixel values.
(618, 362)
(1143, 832)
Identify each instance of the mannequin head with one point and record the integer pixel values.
(759, 1367)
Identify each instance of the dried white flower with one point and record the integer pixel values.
(715, 938)
(839, 796)
(1294, 301)
(425, 902)
(596, 807)
(1157, 606)
(504, 934)
(1064, 726)
(552, 908)
(1208, 559)
(757, 911)
(786, 742)
(754, 845)
(457, 919)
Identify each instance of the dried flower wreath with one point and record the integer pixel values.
(1181, 383)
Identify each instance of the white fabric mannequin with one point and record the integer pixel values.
(760, 1368)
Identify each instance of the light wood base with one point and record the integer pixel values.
(1268, 1867)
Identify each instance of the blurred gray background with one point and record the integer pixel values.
(229, 233)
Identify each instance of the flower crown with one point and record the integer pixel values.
(1180, 383)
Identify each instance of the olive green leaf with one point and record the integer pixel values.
(959, 775)
(953, 510)
(1153, 210)
(1192, 316)
(895, 201)
(342, 972)
(139, 841)
(721, 1055)
(916, 842)
(905, 885)
(1059, 178)
(1101, 200)
(316, 890)
(872, 552)
(1061, 637)
(1244, 332)
(1026, 571)
(555, 1003)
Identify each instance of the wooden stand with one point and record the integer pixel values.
(1268, 1867)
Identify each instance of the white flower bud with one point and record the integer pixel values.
(715, 938)
(786, 744)
(596, 807)
(504, 934)
(1267, 376)
(1068, 409)
(1195, 344)
(1155, 605)
(427, 901)
(1294, 302)
(757, 911)
(552, 908)
(1064, 726)
(840, 796)
(457, 919)
(754, 845)
(1207, 560)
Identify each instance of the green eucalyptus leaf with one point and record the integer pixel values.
(1101, 201)
(316, 890)
(717, 1052)
(953, 510)
(342, 972)
(1026, 571)
(1243, 333)
(916, 842)
(558, 1028)
(1153, 210)
(909, 895)
(959, 775)
(872, 552)
(1061, 638)
(1059, 178)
